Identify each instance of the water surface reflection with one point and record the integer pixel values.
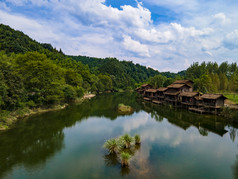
(68, 143)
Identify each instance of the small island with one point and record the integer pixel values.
(125, 146)
(123, 109)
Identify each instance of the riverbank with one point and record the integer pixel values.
(8, 119)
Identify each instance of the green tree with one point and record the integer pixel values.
(12, 90)
(69, 93)
(42, 78)
(73, 78)
(204, 84)
(157, 81)
(223, 81)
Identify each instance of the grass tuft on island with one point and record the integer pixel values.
(123, 109)
(125, 146)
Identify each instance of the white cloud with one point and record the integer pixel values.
(37, 30)
(94, 29)
(221, 17)
(231, 40)
(135, 46)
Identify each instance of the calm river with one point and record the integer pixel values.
(68, 143)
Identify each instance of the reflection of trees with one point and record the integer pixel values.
(156, 116)
(31, 151)
(106, 105)
(235, 168)
(125, 171)
(232, 132)
(34, 141)
(111, 160)
(202, 131)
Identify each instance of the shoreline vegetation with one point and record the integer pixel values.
(11, 118)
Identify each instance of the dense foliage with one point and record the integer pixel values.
(124, 74)
(211, 77)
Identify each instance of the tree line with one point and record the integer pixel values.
(211, 77)
(208, 77)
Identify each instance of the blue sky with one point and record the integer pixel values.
(166, 35)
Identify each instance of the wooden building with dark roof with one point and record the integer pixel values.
(160, 93)
(188, 99)
(213, 100)
(209, 103)
(141, 90)
(150, 94)
(181, 93)
(146, 86)
(173, 91)
(187, 82)
(159, 96)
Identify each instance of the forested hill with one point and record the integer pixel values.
(34, 74)
(13, 41)
(123, 73)
(113, 66)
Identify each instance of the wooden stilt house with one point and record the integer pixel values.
(213, 102)
(173, 91)
(160, 93)
(188, 99)
(150, 94)
(146, 86)
(139, 91)
(187, 82)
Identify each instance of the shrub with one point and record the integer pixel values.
(111, 145)
(125, 157)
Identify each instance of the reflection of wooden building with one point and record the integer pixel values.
(188, 99)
